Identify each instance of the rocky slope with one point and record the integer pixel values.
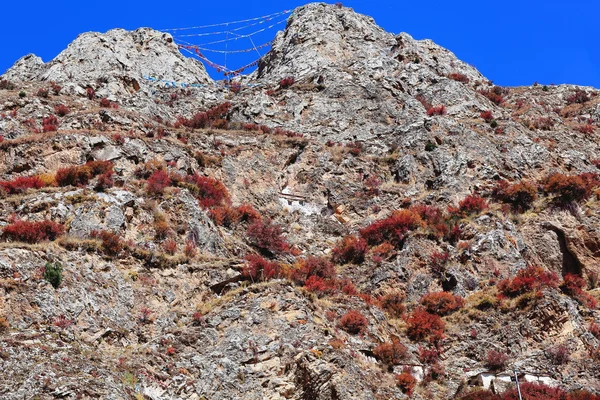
(218, 244)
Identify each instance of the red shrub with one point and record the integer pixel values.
(566, 188)
(104, 181)
(61, 110)
(314, 266)
(392, 353)
(322, 286)
(50, 123)
(429, 355)
(350, 250)
(579, 97)
(354, 322)
(157, 182)
(225, 215)
(559, 355)
(267, 237)
(55, 88)
(43, 92)
(495, 94)
(406, 382)
(392, 229)
(481, 395)
(423, 101)
(520, 195)
(111, 242)
(495, 360)
(574, 286)
(209, 192)
(259, 269)
(421, 324)
(594, 329)
(90, 93)
(170, 246)
(190, 249)
(582, 395)
(527, 280)
(393, 303)
(104, 102)
(213, 117)
(535, 391)
(587, 129)
(286, 82)
(32, 232)
(487, 116)
(75, 176)
(437, 110)
(543, 123)
(442, 303)
(438, 261)
(459, 77)
(22, 184)
(472, 204)
(247, 213)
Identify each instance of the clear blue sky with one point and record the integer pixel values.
(511, 42)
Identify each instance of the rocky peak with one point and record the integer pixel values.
(116, 63)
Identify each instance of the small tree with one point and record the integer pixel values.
(53, 273)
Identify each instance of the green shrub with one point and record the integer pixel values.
(53, 273)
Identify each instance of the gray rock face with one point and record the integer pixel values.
(114, 62)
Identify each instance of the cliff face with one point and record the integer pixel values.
(265, 243)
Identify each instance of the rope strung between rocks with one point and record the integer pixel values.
(232, 32)
(230, 23)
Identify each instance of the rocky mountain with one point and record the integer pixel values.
(370, 219)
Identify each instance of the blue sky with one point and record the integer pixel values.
(511, 42)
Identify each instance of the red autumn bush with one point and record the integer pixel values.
(579, 97)
(392, 229)
(442, 303)
(391, 354)
(157, 182)
(214, 117)
(527, 280)
(438, 261)
(268, 237)
(436, 110)
(495, 95)
(314, 266)
(209, 191)
(535, 391)
(225, 215)
(559, 354)
(112, 244)
(520, 195)
(247, 213)
(80, 175)
(22, 184)
(594, 329)
(32, 232)
(422, 325)
(49, 123)
(487, 116)
(574, 286)
(90, 93)
(259, 269)
(566, 188)
(354, 322)
(286, 82)
(61, 110)
(104, 181)
(495, 360)
(587, 129)
(472, 204)
(350, 250)
(170, 246)
(321, 286)
(456, 76)
(406, 382)
(393, 303)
